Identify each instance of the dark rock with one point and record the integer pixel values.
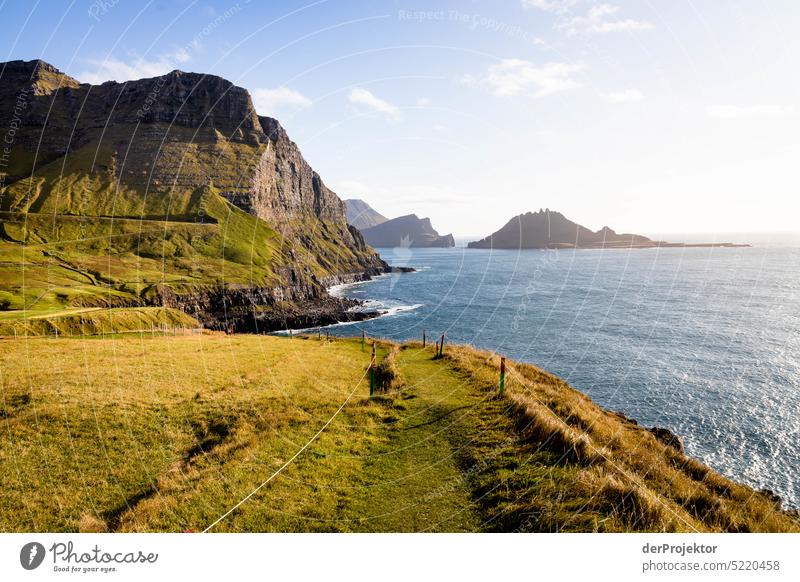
(774, 497)
(667, 437)
(624, 418)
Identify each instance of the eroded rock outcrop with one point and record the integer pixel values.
(163, 149)
(407, 231)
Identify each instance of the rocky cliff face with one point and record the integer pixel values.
(362, 215)
(285, 188)
(407, 231)
(156, 149)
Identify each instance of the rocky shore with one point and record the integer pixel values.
(247, 309)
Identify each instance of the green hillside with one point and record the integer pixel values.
(142, 433)
(168, 192)
(49, 261)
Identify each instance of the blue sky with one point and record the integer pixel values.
(649, 116)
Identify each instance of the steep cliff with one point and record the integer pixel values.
(407, 231)
(184, 156)
(362, 215)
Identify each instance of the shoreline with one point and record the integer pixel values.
(611, 246)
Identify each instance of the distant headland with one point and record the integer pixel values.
(548, 229)
(403, 231)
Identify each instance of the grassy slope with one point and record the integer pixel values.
(84, 261)
(168, 433)
(100, 225)
(70, 261)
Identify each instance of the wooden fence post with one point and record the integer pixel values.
(363, 338)
(502, 375)
(372, 373)
(441, 347)
(423, 338)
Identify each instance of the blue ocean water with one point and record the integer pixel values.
(703, 341)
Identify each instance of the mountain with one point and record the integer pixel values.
(362, 215)
(549, 229)
(406, 231)
(166, 191)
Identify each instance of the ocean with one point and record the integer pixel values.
(702, 341)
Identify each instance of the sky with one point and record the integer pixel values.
(653, 116)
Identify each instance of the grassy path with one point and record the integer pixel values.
(143, 433)
(415, 481)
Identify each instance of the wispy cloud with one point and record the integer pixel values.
(363, 97)
(749, 111)
(271, 101)
(404, 195)
(114, 69)
(557, 6)
(512, 77)
(602, 18)
(629, 96)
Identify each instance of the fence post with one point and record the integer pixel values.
(372, 373)
(363, 339)
(441, 347)
(423, 338)
(502, 375)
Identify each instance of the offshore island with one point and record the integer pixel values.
(548, 229)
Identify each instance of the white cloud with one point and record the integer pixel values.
(601, 19)
(361, 96)
(749, 111)
(114, 69)
(629, 96)
(556, 6)
(402, 199)
(423, 101)
(269, 101)
(181, 55)
(511, 77)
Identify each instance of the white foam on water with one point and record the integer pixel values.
(382, 313)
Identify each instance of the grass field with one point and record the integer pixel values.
(142, 433)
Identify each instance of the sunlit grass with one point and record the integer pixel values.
(143, 433)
